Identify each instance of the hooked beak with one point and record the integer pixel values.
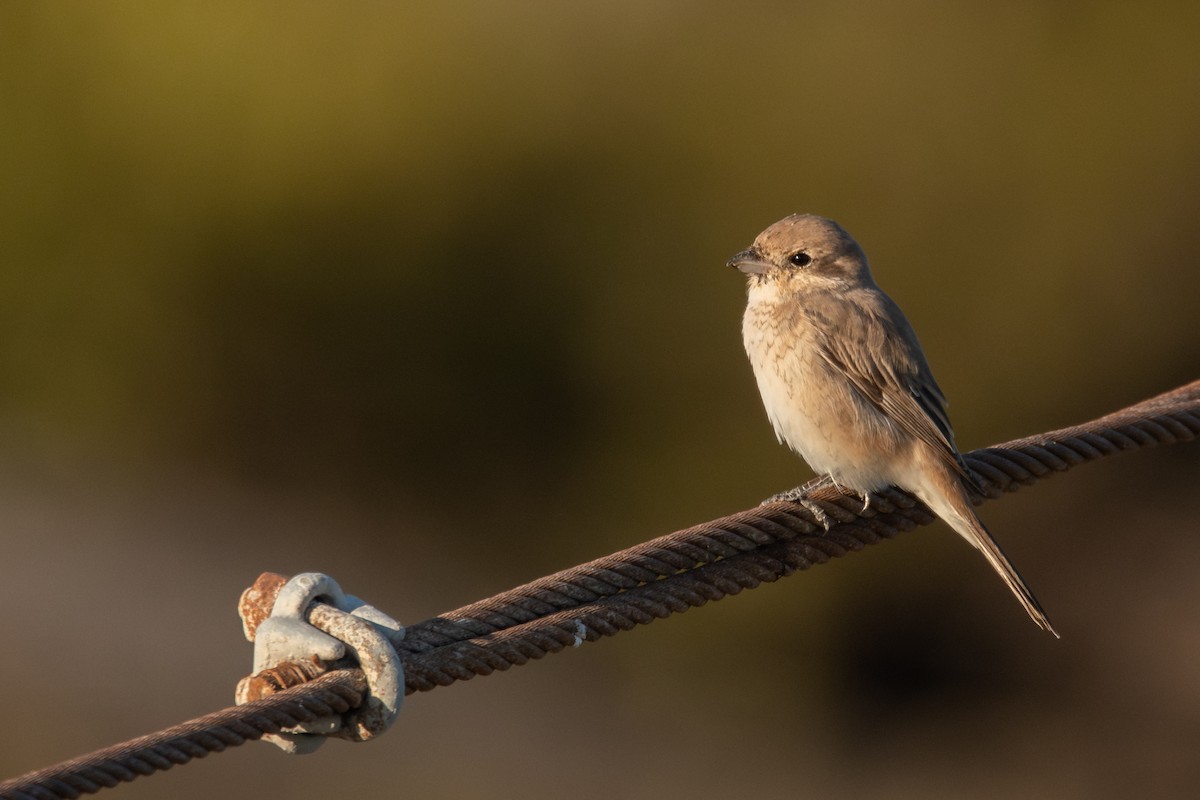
(749, 262)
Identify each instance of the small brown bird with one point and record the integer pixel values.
(845, 382)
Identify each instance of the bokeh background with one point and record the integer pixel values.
(432, 297)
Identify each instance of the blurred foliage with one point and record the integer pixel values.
(447, 280)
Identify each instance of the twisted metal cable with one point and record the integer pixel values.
(718, 558)
(326, 696)
(634, 587)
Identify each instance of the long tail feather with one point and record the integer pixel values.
(953, 507)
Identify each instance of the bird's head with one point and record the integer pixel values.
(802, 251)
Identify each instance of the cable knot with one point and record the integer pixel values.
(306, 626)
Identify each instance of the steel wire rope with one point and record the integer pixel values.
(649, 581)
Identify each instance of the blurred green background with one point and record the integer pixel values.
(432, 297)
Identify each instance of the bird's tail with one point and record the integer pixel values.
(954, 508)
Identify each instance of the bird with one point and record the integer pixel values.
(845, 382)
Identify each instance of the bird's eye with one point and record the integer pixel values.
(801, 259)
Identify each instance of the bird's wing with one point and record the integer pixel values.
(879, 354)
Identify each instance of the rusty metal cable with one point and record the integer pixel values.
(721, 557)
(633, 587)
(330, 694)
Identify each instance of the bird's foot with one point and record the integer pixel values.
(799, 495)
(802, 492)
(816, 484)
(823, 518)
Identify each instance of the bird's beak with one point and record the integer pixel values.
(749, 262)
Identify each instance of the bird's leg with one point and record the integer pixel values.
(863, 493)
(799, 495)
(794, 495)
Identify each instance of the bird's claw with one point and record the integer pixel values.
(823, 518)
(799, 495)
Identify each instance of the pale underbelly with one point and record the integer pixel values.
(832, 427)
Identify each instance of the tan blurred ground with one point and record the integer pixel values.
(432, 297)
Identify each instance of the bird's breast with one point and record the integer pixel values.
(814, 409)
